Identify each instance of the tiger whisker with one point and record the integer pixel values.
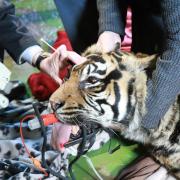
(77, 122)
(114, 132)
(115, 124)
(61, 119)
(74, 120)
(101, 123)
(81, 123)
(94, 120)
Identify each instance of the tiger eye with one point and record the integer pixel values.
(92, 80)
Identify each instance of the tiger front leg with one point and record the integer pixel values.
(171, 161)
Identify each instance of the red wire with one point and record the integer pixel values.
(21, 132)
(35, 161)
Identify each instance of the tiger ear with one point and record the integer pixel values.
(138, 61)
(145, 60)
(93, 49)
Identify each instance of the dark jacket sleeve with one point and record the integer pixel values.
(165, 84)
(112, 16)
(14, 37)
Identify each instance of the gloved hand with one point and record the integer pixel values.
(51, 64)
(107, 41)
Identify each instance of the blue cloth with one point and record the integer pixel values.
(14, 36)
(70, 12)
(80, 20)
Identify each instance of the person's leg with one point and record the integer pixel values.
(140, 169)
(147, 27)
(144, 168)
(80, 20)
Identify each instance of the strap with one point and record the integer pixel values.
(40, 58)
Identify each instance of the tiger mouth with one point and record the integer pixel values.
(73, 129)
(78, 119)
(72, 119)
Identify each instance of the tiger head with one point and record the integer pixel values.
(108, 88)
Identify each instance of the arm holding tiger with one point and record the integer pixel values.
(165, 84)
(111, 24)
(22, 47)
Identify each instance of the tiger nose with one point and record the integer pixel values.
(55, 105)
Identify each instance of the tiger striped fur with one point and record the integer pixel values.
(110, 89)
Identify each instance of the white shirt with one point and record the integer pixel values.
(28, 54)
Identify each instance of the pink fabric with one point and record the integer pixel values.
(126, 44)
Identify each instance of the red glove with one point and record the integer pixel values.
(62, 38)
(41, 85)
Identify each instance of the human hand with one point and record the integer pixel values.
(56, 61)
(107, 41)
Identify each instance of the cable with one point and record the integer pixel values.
(111, 134)
(54, 173)
(35, 161)
(81, 148)
(88, 159)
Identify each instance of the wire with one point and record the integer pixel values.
(54, 173)
(111, 134)
(88, 159)
(82, 148)
(35, 161)
(21, 133)
(80, 152)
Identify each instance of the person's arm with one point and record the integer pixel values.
(22, 47)
(165, 84)
(14, 36)
(112, 19)
(112, 16)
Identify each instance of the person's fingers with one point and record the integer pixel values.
(75, 58)
(63, 54)
(51, 67)
(99, 45)
(61, 47)
(107, 41)
(71, 55)
(58, 60)
(56, 64)
(57, 79)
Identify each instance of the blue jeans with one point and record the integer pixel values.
(80, 20)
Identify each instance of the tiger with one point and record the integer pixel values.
(111, 89)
